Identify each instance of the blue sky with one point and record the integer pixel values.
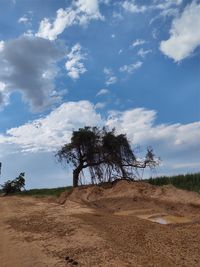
(133, 65)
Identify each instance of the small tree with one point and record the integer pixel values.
(13, 186)
(106, 155)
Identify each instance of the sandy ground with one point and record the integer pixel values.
(101, 227)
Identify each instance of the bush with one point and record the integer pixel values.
(13, 186)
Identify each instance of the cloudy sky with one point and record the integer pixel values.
(129, 64)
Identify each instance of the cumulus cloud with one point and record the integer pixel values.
(103, 92)
(64, 18)
(184, 34)
(131, 68)
(74, 65)
(28, 65)
(177, 144)
(52, 131)
(131, 6)
(139, 124)
(134, 122)
(81, 12)
(110, 77)
(88, 10)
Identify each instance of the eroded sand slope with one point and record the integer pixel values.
(101, 226)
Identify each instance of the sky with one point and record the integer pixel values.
(129, 64)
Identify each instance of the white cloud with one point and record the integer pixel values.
(135, 122)
(166, 4)
(74, 66)
(103, 92)
(4, 95)
(187, 165)
(139, 125)
(177, 144)
(2, 43)
(108, 71)
(143, 52)
(117, 16)
(100, 105)
(52, 131)
(131, 6)
(111, 80)
(155, 33)
(29, 33)
(184, 34)
(64, 18)
(131, 67)
(88, 9)
(23, 20)
(105, 2)
(80, 13)
(110, 77)
(166, 8)
(138, 42)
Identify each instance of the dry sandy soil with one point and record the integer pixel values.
(98, 226)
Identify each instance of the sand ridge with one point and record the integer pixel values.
(129, 189)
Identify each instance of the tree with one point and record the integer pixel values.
(13, 186)
(105, 154)
(83, 151)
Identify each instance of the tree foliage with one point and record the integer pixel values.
(13, 186)
(105, 154)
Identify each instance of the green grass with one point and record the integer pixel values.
(44, 192)
(189, 182)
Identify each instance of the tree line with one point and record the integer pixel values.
(187, 182)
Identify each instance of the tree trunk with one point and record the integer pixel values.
(124, 173)
(76, 173)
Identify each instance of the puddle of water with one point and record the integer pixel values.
(164, 219)
(132, 212)
(161, 218)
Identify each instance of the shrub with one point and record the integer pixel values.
(13, 186)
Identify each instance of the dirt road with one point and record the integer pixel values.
(107, 233)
